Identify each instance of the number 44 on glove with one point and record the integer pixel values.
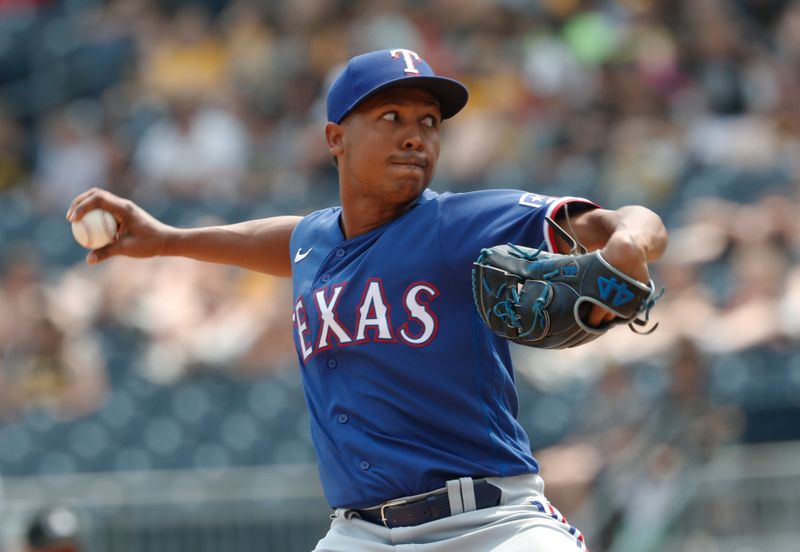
(542, 299)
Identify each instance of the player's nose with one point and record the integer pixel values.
(412, 139)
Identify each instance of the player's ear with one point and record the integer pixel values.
(334, 134)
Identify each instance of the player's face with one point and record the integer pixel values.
(390, 144)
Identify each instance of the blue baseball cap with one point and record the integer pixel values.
(368, 73)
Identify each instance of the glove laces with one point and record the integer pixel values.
(644, 314)
(506, 310)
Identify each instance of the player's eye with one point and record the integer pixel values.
(430, 121)
(390, 116)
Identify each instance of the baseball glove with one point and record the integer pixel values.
(542, 299)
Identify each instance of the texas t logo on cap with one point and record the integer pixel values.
(368, 73)
(409, 58)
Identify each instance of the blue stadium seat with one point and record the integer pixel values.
(56, 462)
(210, 455)
(132, 458)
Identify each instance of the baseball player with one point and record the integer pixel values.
(412, 398)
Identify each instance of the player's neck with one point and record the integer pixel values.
(361, 215)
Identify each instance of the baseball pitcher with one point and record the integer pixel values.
(405, 301)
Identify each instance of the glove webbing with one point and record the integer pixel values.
(505, 310)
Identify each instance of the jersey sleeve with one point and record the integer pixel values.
(474, 220)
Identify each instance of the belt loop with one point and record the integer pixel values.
(468, 494)
(344, 513)
(454, 494)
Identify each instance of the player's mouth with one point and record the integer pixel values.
(410, 161)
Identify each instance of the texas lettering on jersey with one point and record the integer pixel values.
(374, 321)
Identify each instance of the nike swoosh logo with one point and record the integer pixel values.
(300, 256)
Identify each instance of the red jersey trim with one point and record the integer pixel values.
(552, 212)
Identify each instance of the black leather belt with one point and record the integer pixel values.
(408, 514)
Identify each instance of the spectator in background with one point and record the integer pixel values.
(54, 529)
(250, 49)
(22, 306)
(13, 165)
(72, 153)
(683, 428)
(196, 151)
(788, 34)
(48, 356)
(737, 87)
(198, 146)
(184, 55)
(194, 323)
(631, 443)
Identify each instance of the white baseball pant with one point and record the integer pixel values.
(524, 521)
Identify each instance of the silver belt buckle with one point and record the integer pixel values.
(389, 504)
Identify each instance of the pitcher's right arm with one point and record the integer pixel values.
(261, 245)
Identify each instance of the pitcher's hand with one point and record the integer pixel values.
(623, 254)
(139, 234)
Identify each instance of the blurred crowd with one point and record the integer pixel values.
(626, 100)
(213, 110)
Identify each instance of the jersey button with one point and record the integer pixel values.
(340, 252)
(332, 363)
(364, 465)
(342, 418)
(325, 278)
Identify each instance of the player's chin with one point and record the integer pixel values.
(412, 177)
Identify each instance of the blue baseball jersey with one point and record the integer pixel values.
(405, 384)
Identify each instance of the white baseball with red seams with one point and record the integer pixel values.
(96, 229)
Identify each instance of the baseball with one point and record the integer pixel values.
(96, 229)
